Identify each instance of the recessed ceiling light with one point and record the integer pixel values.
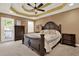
(71, 4)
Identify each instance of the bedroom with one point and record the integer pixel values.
(62, 17)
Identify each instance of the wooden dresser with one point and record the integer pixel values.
(68, 39)
(19, 32)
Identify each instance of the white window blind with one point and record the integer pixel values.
(30, 26)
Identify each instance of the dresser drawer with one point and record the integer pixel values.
(68, 39)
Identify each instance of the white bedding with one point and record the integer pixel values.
(51, 38)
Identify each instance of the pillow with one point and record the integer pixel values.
(42, 31)
(45, 32)
(52, 31)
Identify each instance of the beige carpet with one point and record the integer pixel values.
(18, 49)
(15, 49)
(64, 50)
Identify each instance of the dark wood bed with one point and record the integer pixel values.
(37, 44)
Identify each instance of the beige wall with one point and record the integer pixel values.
(25, 24)
(0, 28)
(69, 21)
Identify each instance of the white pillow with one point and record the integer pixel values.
(49, 31)
(52, 31)
(45, 32)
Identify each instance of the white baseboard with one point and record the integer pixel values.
(77, 45)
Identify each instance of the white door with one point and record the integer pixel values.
(7, 29)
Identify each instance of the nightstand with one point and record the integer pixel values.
(68, 39)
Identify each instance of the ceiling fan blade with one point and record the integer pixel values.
(29, 5)
(41, 10)
(41, 4)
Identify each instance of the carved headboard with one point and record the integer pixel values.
(51, 25)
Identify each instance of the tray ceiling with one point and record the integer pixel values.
(23, 10)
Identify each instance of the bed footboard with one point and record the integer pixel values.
(36, 44)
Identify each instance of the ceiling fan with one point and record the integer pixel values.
(36, 7)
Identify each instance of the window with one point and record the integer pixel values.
(7, 29)
(30, 26)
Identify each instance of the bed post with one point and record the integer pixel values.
(23, 41)
(42, 49)
(60, 28)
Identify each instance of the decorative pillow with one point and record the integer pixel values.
(42, 32)
(46, 31)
